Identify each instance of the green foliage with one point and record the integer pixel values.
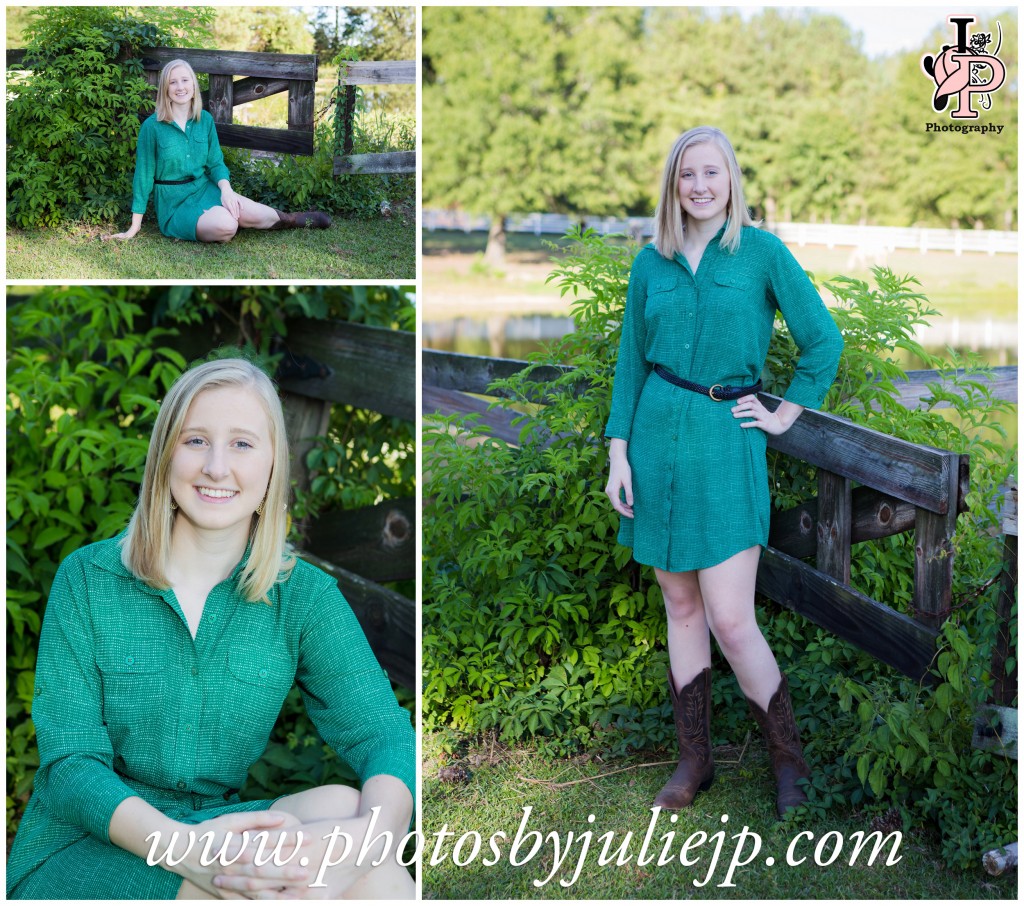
(71, 119)
(83, 378)
(538, 627)
(86, 369)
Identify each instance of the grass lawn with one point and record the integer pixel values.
(348, 250)
(503, 782)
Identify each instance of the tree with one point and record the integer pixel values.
(269, 29)
(531, 109)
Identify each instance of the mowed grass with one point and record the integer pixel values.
(504, 782)
(971, 286)
(379, 249)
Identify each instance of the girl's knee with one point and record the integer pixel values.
(216, 226)
(735, 634)
(682, 605)
(340, 800)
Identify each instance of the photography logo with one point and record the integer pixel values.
(963, 70)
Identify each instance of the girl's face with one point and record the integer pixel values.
(222, 460)
(704, 184)
(181, 87)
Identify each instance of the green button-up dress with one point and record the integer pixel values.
(127, 703)
(700, 482)
(165, 151)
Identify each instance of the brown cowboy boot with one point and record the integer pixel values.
(696, 768)
(780, 732)
(314, 219)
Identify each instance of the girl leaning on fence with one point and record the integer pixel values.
(687, 433)
(164, 659)
(178, 156)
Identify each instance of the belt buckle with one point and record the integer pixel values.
(711, 392)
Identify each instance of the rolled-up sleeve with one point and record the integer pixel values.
(76, 779)
(215, 166)
(812, 327)
(348, 696)
(145, 167)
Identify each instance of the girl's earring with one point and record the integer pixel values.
(174, 505)
(259, 509)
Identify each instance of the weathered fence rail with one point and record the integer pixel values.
(396, 72)
(902, 487)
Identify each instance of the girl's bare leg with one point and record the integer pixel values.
(689, 643)
(256, 216)
(727, 590)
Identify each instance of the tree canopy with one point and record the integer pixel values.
(573, 110)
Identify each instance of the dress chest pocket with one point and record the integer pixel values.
(664, 296)
(134, 684)
(258, 682)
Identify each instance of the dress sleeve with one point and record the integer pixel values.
(76, 779)
(145, 167)
(348, 696)
(632, 367)
(813, 329)
(215, 166)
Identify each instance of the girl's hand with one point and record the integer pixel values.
(620, 479)
(230, 200)
(777, 422)
(324, 846)
(230, 852)
(127, 234)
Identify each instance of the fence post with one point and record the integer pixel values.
(835, 524)
(301, 103)
(222, 98)
(933, 553)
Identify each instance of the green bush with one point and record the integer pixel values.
(72, 116)
(538, 626)
(86, 369)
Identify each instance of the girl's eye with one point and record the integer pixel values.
(194, 442)
(243, 444)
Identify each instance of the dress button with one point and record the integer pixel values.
(263, 673)
(195, 671)
(180, 784)
(687, 346)
(129, 660)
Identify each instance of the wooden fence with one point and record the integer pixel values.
(901, 487)
(382, 73)
(264, 75)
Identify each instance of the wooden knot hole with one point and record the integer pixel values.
(806, 522)
(396, 529)
(885, 514)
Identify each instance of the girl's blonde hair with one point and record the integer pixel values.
(669, 221)
(146, 546)
(163, 102)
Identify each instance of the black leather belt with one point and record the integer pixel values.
(174, 182)
(717, 392)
